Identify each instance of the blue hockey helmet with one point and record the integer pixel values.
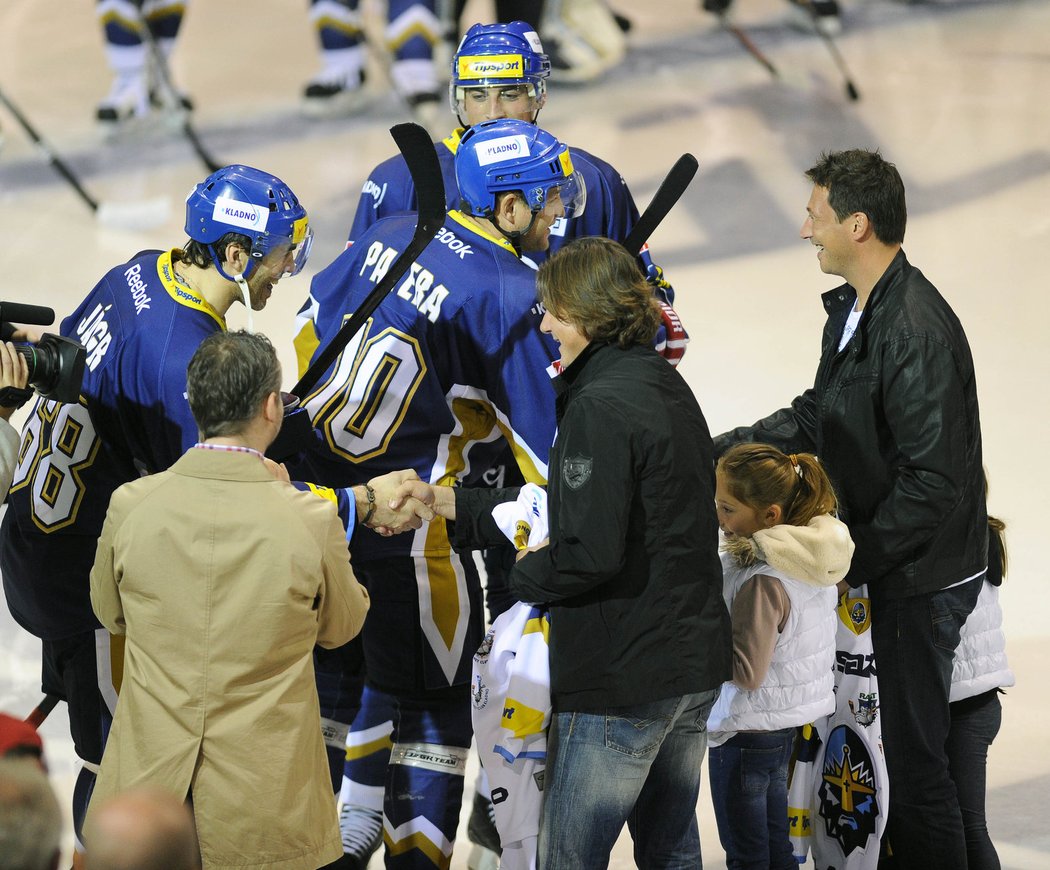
(240, 199)
(506, 154)
(497, 55)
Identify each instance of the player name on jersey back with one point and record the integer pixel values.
(420, 287)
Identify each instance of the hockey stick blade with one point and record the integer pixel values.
(669, 192)
(415, 145)
(124, 215)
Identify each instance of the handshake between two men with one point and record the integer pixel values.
(395, 502)
(407, 502)
(402, 502)
(398, 501)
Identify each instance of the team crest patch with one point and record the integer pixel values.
(855, 614)
(576, 470)
(849, 800)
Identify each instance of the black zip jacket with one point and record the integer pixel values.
(632, 573)
(894, 419)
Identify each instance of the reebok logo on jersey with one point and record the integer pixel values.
(453, 242)
(502, 149)
(94, 334)
(375, 191)
(137, 287)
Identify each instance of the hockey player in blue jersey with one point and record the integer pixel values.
(140, 325)
(498, 71)
(450, 367)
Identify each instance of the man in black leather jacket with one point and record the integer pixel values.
(893, 416)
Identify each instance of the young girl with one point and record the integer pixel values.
(782, 556)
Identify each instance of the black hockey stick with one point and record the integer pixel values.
(748, 44)
(130, 215)
(42, 710)
(851, 89)
(418, 150)
(172, 98)
(669, 192)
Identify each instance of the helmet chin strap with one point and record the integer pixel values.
(246, 295)
(242, 284)
(514, 236)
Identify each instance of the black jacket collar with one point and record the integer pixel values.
(574, 373)
(838, 303)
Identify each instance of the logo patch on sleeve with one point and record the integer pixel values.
(576, 470)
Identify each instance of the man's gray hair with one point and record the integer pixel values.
(30, 818)
(229, 376)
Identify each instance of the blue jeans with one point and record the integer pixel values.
(914, 641)
(639, 765)
(975, 722)
(749, 776)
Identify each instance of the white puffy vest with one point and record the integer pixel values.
(799, 686)
(980, 659)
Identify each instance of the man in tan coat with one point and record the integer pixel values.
(223, 576)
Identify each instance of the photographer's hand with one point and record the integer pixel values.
(14, 372)
(27, 333)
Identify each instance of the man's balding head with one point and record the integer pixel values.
(142, 829)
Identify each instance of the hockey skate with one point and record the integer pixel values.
(164, 93)
(128, 98)
(361, 829)
(134, 93)
(335, 93)
(716, 7)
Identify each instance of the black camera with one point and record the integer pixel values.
(56, 366)
(55, 363)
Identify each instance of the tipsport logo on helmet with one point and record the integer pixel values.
(491, 66)
(502, 149)
(239, 214)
